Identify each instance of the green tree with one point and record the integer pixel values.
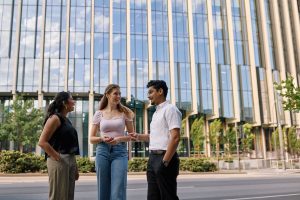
(197, 134)
(181, 146)
(275, 139)
(293, 142)
(247, 141)
(230, 141)
(22, 123)
(215, 134)
(290, 94)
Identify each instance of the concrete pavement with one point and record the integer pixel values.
(39, 177)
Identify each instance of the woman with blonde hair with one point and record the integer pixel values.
(111, 154)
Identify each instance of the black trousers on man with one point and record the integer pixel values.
(162, 181)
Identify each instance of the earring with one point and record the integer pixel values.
(66, 107)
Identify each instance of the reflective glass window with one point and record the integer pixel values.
(79, 49)
(160, 47)
(139, 49)
(202, 56)
(55, 46)
(181, 54)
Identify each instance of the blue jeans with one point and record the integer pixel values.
(111, 168)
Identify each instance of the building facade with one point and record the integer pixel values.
(219, 58)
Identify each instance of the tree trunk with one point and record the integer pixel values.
(21, 147)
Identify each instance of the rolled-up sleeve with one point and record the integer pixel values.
(97, 117)
(173, 118)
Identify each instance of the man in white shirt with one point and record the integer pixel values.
(163, 164)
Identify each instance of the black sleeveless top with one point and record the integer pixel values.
(65, 139)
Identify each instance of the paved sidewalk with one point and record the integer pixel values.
(43, 177)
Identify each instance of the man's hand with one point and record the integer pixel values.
(133, 136)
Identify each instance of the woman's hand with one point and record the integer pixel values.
(107, 139)
(114, 141)
(56, 156)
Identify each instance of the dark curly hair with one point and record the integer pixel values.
(57, 105)
(157, 84)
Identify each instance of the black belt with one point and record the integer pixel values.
(158, 152)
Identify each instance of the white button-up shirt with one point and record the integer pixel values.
(165, 118)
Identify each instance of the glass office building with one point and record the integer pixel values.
(218, 57)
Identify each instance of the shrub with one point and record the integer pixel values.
(17, 162)
(137, 164)
(196, 165)
(85, 165)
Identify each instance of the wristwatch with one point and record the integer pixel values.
(166, 163)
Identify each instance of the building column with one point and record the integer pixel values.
(110, 75)
(171, 54)
(42, 50)
(192, 57)
(128, 66)
(287, 30)
(128, 56)
(207, 140)
(66, 72)
(17, 49)
(234, 72)
(38, 150)
(296, 27)
(266, 57)
(149, 31)
(263, 137)
(16, 58)
(279, 49)
(146, 119)
(255, 96)
(188, 135)
(212, 58)
(91, 91)
(295, 19)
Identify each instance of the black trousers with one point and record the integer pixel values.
(162, 181)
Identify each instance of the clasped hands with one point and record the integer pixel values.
(115, 140)
(134, 137)
(110, 140)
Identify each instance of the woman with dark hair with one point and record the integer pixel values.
(111, 154)
(60, 142)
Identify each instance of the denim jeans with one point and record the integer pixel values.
(111, 169)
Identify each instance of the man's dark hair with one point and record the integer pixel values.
(157, 84)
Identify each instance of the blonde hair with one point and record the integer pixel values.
(104, 101)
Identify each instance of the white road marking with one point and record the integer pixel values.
(266, 197)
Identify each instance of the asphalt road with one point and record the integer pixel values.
(192, 187)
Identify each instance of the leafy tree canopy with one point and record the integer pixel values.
(290, 93)
(22, 123)
(197, 133)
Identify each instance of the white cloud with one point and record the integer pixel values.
(116, 38)
(102, 23)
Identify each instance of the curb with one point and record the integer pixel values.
(250, 172)
(129, 173)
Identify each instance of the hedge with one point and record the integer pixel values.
(17, 162)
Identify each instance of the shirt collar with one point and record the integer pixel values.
(161, 105)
